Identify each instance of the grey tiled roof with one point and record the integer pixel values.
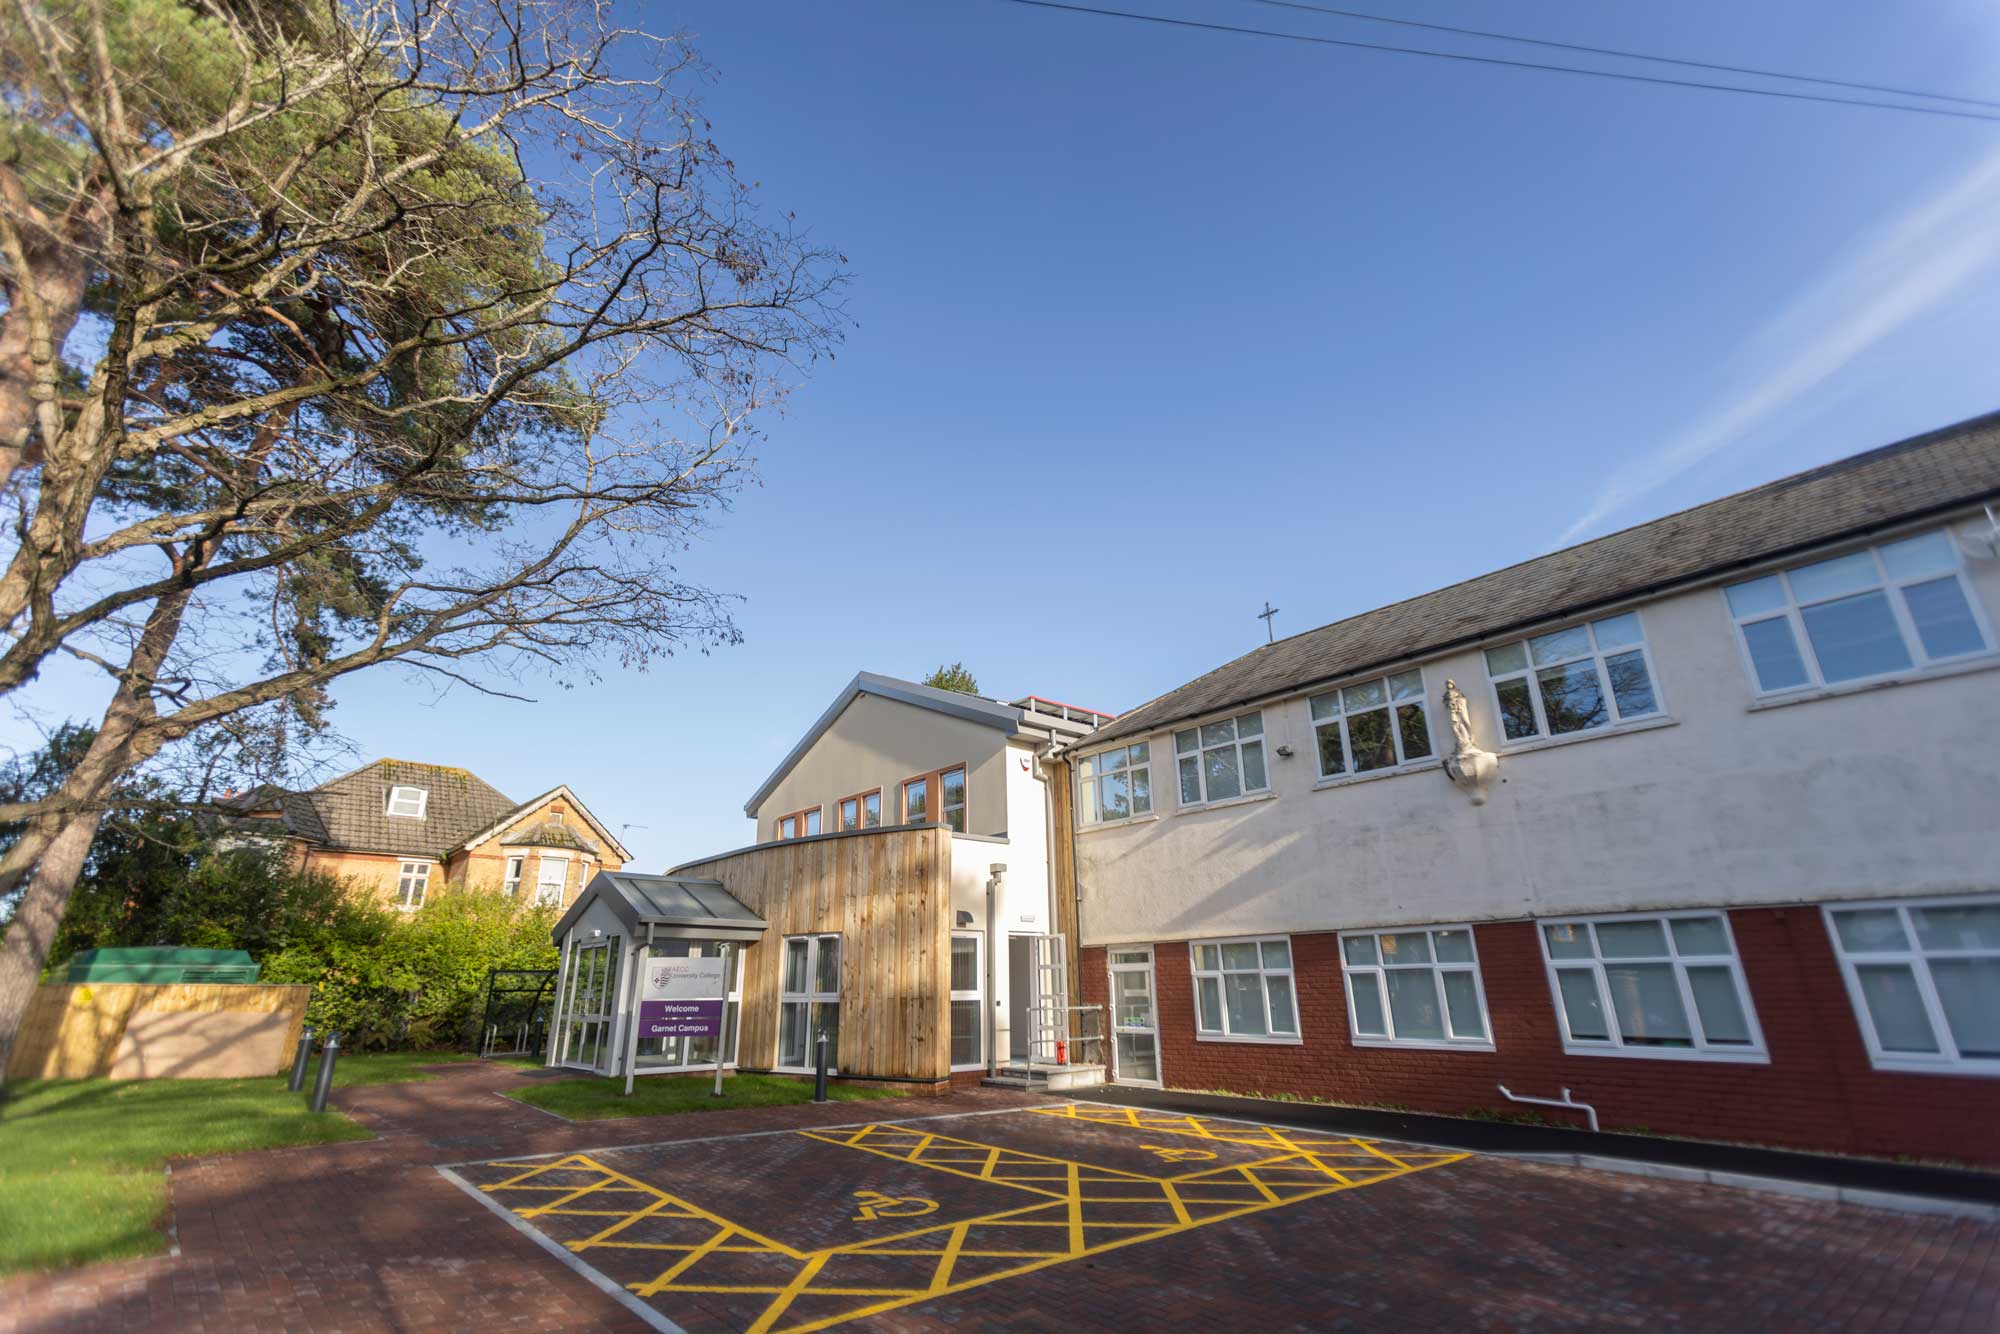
(352, 810)
(1924, 475)
(549, 834)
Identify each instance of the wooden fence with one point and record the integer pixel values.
(139, 1030)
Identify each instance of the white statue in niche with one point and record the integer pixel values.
(1468, 765)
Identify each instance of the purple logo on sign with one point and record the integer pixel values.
(680, 1018)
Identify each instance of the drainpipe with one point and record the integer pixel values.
(993, 881)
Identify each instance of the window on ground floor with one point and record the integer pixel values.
(968, 1003)
(1666, 985)
(1414, 988)
(1924, 976)
(413, 880)
(550, 878)
(809, 1001)
(1243, 989)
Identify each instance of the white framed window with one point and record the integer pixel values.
(1573, 680)
(413, 881)
(512, 884)
(1868, 614)
(1243, 989)
(968, 1002)
(1114, 784)
(551, 875)
(1656, 985)
(1414, 988)
(408, 803)
(1222, 759)
(1924, 977)
(1379, 724)
(809, 1001)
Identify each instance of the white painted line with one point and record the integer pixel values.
(519, 1102)
(741, 1134)
(567, 1256)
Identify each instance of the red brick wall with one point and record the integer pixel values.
(1818, 1092)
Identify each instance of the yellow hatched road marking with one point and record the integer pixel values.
(1053, 1231)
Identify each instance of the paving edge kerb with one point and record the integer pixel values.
(1871, 1183)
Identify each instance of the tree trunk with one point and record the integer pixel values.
(33, 930)
(51, 850)
(42, 307)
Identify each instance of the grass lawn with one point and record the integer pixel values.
(594, 1099)
(81, 1159)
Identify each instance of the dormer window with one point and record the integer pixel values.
(408, 802)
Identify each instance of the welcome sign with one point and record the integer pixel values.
(681, 998)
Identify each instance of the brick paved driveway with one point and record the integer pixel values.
(1123, 1226)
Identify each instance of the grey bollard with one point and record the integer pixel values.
(819, 1069)
(300, 1058)
(328, 1054)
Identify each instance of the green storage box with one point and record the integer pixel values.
(161, 963)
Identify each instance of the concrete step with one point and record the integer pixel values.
(1047, 1079)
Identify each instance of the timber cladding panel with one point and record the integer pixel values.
(138, 1030)
(887, 894)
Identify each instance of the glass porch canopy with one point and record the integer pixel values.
(616, 921)
(663, 907)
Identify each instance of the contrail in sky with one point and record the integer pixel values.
(1904, 270)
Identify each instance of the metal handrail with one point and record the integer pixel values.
(1085, 1046)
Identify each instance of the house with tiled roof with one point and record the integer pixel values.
(404, 830)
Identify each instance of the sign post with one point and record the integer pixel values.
(640, 959)
(722, 1055)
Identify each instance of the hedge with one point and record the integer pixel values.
(387, 979)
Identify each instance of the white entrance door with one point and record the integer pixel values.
(592, 988)
(1135, 1046)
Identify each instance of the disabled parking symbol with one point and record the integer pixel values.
(874, 1205)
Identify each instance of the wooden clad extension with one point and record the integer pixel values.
(887, 894)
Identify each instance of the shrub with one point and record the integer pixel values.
(388, 979)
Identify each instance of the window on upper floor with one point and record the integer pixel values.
(1377, 724)
(1414, 988)
(799, 824)
(863, 810)
(1924, 977)
(1870, 613)
(936, 797)
(1573, 680)
(408, 802)
(951, 788)
(1220, 760)
(1243, 989)
(1651, 985)
(1114, 784)
(512, 884)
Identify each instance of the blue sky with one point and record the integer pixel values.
(1152, 325)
